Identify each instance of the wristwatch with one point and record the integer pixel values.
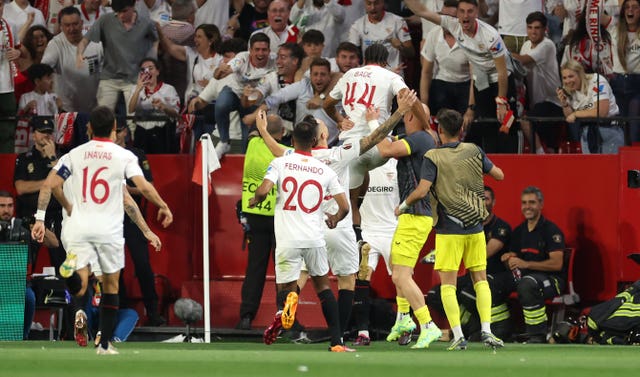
(322, 96)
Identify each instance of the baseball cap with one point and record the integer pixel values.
(42, 124)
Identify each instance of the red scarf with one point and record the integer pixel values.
(148, 93)
(86, 14)
(344, 2)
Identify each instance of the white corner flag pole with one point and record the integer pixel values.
(204, 140)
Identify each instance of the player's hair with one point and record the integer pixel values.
(305, 133)
(101, 120)
(313, 36)
(376, 54)
(533, 190)
(472, 2)
(295, 51)
(274, 124)
(347, 46)
(490, 191)
(120, 5)
(320, 62)
(68, 11)
(5, 194)
(181, 10)
(450, 121)
(212, 32)
(235, 45)
(38, 71)
(259, 37)
(450, 3)
(537, 16)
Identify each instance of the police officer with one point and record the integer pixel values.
(260, 234)
(536, 257)
(31, 169)
(136, 243)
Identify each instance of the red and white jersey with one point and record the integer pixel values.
(380, 201)
(485, 45)
(94, 175)
(364, 33)
(599, 89)
(362, 87)
(89, 18)
(303, 183)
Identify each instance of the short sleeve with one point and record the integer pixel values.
(429, 170)
(554, 238)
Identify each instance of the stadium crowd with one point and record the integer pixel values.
(56, 60)
(178, 69)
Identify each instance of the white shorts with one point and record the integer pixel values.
(289, 262)
(363, 164)
(106, 258)
(342, 251)
(380, 246)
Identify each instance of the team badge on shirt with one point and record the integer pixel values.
(346, 147)
(557, 238)
(503, 232)
(30, 168)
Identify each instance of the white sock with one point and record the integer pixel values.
(486, 327)
(364, 333)
(457, 332)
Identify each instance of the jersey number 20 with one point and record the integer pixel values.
(290, 184)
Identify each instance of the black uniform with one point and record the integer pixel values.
(139, 249)
(536, 286)
(32, 166)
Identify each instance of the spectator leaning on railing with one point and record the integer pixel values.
(589, 96)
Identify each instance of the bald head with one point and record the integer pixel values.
(412, 123)
(274, 125)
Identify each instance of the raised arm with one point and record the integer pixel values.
(261, 124)
(420, 10)
(406, 99)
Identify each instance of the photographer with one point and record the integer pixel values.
(17, 230)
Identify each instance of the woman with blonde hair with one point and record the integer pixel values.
(626, 64)
(590, 96)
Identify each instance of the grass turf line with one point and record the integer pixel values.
(222, 358)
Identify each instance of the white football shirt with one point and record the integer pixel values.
(362, 87)
(339, 159)
(303, 182)
(543, 78)
(363, 33)
(94, 175)
(245, 73)
(599, 90)
(380, 201)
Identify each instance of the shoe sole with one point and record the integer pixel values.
(271, 333)
(68, 268)
(289, 312)
(405, 338)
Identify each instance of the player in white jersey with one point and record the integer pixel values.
(378, 225)
(303, 182)
(92, 230)
(359, 89)
(341, 242)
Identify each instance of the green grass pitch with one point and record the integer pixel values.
(222, 358)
